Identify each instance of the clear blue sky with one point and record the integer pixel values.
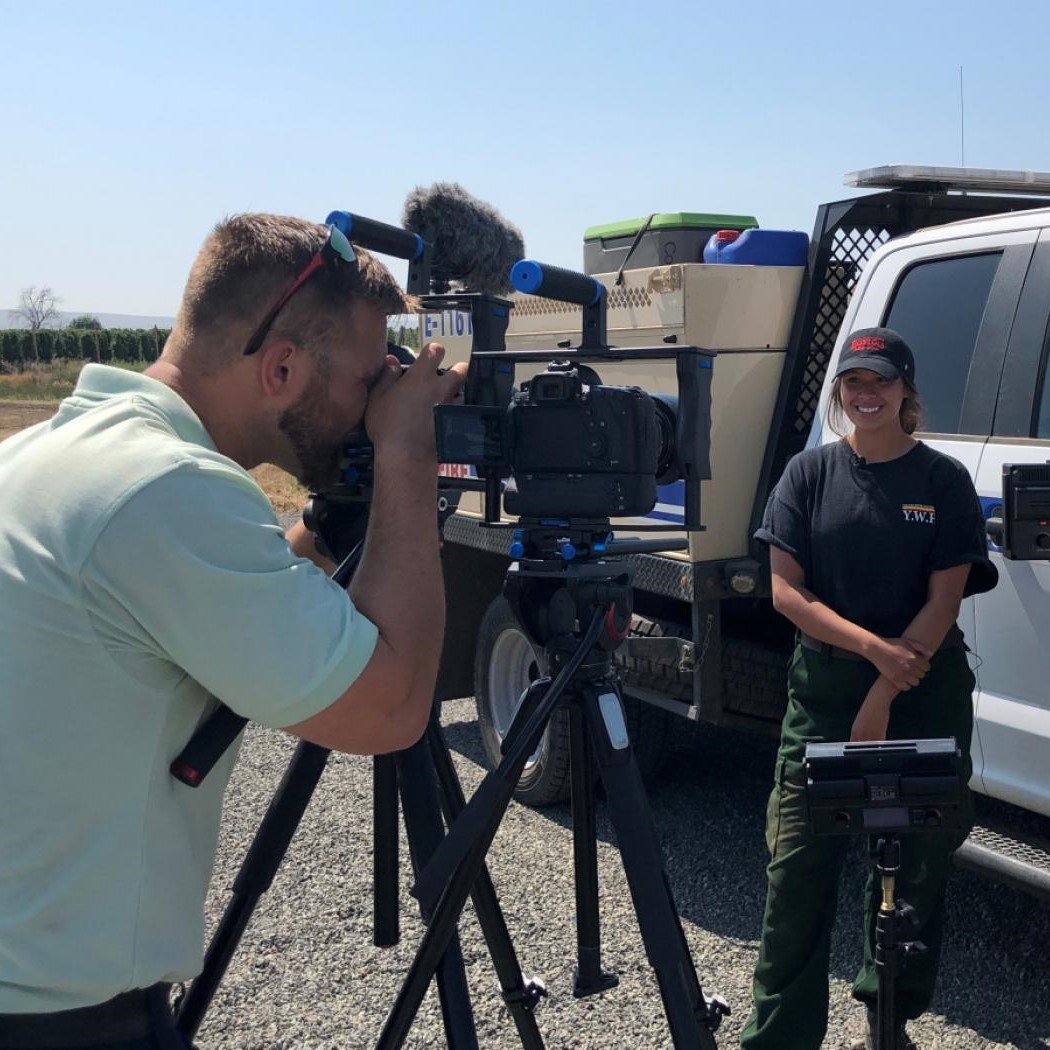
(128, 129)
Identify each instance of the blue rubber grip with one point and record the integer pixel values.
(377, 236)
(568, 286)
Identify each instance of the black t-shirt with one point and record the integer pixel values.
(868, 535)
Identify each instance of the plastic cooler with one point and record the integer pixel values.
(671, 237)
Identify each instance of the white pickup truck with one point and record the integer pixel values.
(958, 262)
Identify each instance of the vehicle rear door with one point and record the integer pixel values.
(1013, 620)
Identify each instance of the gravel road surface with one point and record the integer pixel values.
(307, 975)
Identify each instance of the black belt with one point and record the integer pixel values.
(130, 1015)
(807, 641)
(952, 640)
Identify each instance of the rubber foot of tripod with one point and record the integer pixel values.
(715, 1008)
(528, 995)
(592, 984)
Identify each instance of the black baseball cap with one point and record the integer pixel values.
(880, 350)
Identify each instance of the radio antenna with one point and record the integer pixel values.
(962, 122)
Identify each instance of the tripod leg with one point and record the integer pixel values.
(419, 799)
(264, 857)
(691, 1018)
(443, 921)
(520, 995)
(385, 917)
(449, 882)
(589, 978)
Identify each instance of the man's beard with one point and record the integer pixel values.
(319, 454)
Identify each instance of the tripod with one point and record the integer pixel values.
(425, 778)
(551, 601)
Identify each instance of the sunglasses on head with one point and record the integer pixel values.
(336, 248)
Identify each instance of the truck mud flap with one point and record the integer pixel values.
(657, 657)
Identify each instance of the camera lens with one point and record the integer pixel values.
(666, 424)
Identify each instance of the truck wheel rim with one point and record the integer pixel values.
(511, 668)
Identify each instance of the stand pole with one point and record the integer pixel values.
(887, 941)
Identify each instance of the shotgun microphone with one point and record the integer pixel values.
(472, 243)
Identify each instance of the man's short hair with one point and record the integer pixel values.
(246, 264)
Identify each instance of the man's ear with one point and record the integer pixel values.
(284, 370)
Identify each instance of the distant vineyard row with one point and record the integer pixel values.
(20, 348)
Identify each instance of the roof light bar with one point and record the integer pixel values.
(915, 176)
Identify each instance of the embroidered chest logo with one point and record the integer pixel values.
(921, 512)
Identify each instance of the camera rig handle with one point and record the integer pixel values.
(693, 371)
(568, 286)
(536, 278)
(390, 240)
(377, 236)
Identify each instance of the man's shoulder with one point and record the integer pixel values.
(194, 484)
(120, 461)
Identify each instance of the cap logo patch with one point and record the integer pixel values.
(867, 342)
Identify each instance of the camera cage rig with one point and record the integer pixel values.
(489, 394)
(490, 385)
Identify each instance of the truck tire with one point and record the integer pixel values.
(754, 679)
(505, 663)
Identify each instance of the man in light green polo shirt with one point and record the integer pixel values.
(143, 571)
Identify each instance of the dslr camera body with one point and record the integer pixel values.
(568, 442)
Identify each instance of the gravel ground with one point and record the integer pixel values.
(307, 975)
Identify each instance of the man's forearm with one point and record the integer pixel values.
(398, 583)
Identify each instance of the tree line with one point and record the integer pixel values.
(22, 348)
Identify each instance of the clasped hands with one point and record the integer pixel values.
(902, 663)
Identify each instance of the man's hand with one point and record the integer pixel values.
(904, 661)
(399, 415)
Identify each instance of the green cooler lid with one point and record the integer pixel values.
(670, 220)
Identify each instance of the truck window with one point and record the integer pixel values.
(937, 308)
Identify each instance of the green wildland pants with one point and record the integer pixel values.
(791, 978)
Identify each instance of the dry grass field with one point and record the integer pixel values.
(286, 495)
